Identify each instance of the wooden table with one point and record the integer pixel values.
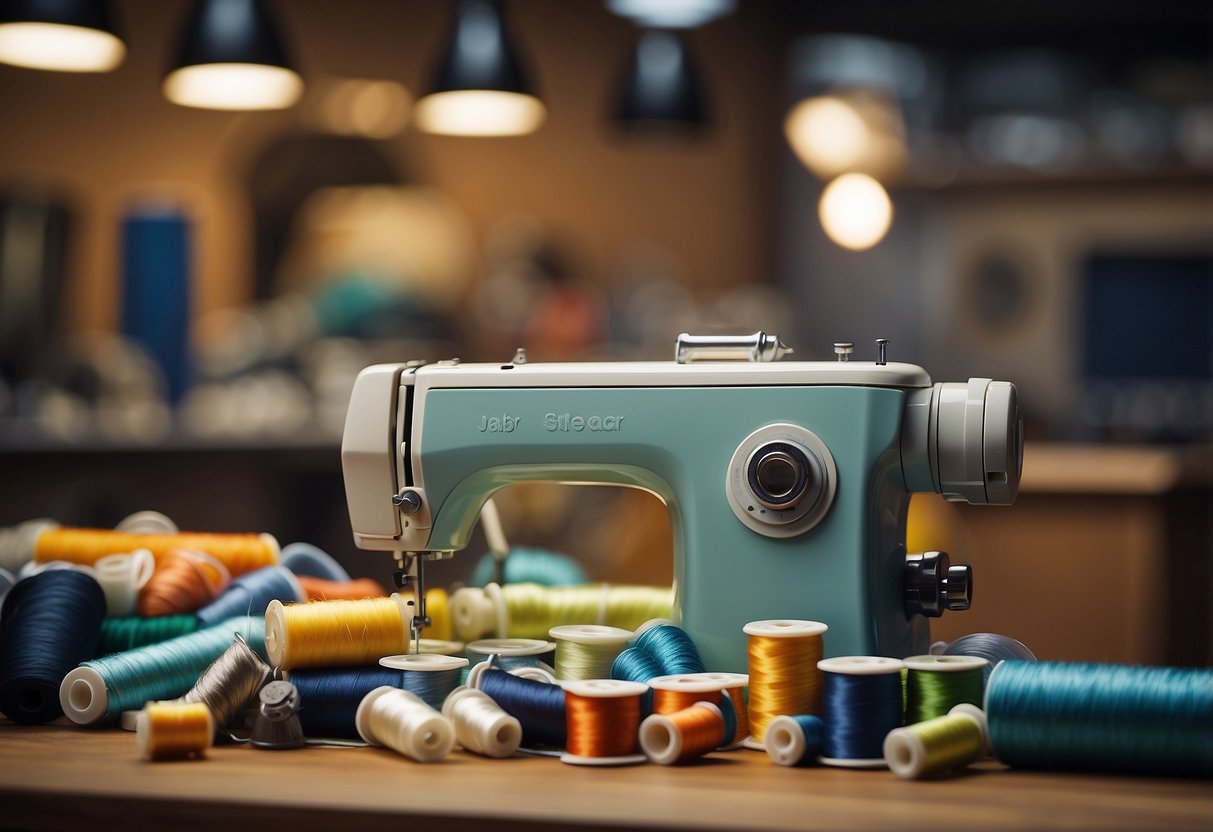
(61, 777)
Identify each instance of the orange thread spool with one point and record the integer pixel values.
(687, 734)
(603, 722)
(319, 589)
(240, 553)
(680, 691)
(183, 581)
(174, 730)
(784, 679)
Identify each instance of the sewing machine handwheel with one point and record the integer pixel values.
(932, 584)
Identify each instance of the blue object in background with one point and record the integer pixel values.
(156, 266)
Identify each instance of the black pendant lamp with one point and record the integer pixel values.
(62, 35)
(480, 87)
(231, 57)
(662, 91)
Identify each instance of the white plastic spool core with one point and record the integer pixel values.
(945, 664)
(785, 741)
(784, 628)
(424, 662)
(479, 613)
(83, 696)
(511, 647)
(603, 689)
(590, 634)
(660, 739)
(501, 737)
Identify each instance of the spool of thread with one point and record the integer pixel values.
(688, 734)
(993, 647)
(539, 707)
(603, 722)
(1102, 717)
(121, 577)
(50, 623)
(147, 522)
(399, 720)
(936, 684)
(782, 656)
(635, 665)
(230, 683)
(277, 725)
(429, 677)
(251, 594)
(336, 633)
(239, 553)
(513, 653)
(794, 740)
(101, 689)
(586, 651)
(531, 610)
(17, 543)
(481, 725)
(174, 730)
(319, 589)
(673, 650)
(680, 691)
(861, 704)
(306, 559)
(439, 648)
(329, 697)
(523, 565)
(939, 745)
(121, 634)
(183, 581)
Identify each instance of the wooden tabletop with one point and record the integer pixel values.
(62, 777)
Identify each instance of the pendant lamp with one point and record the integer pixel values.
(662, 90)
(231, 57)
(62, 35)
(480, 87)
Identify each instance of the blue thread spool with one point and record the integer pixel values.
(539, 707)
(103, 688)
(306, 559)
(1102, 717)
(329, 698)
(635, 665)
(671, 648)
(251, 593)
(794, 740)
(993, 647)
(50, 623)
(513, 653)
(861, 704)
(428, 676)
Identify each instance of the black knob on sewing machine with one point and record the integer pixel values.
(933, 585)
(779, 475)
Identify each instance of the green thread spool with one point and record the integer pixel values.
(936, 684)
(586, 651)
(531, 610)
(121, 634)
(939, 745)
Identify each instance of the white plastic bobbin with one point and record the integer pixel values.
(511, 647)
(859, 666)
(432, 736)
(121, 577)
(147, 522)
(479, 613)
(661, 741)
(945, 664)
(603, 689)
(906, 754)
(277, 646)
(780, 628)
(691, 682)
(424, 662)
(83, 696)
(785, 741)
(497, 734)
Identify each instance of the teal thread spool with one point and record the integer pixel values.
(121, 634)
(670, 646)
(939, 745)
(936, 684)
(526, 565)
(1102, 717)
(101, 689)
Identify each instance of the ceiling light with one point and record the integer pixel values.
(855, 211)
(63, 35)
(662, 88)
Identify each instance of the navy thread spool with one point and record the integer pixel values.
(306, 559)
(671, 648)
(794, 740)
(1102, 717)
(861, 704)
(50, 623)
(329, 698)
(539, 707)
(251, 593)
(428, 676)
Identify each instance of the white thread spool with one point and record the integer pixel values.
(481, 726)
(121, 577)
(480, 613)
(400, 721)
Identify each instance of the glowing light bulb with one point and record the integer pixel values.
(233, 86)
(855, 211)
(57, 46)
(828, 134)
(480, 113)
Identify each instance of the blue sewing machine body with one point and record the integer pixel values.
(787, 483)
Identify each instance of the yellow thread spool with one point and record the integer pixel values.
(174, 730)
(240, 553)
(530, 610)
(438, 608)
(938, 745)
(782, 657)
(335, 633)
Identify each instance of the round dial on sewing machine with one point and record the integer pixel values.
(781, 480)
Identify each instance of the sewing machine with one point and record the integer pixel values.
(787, 482)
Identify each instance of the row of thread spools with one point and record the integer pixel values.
(660, 701)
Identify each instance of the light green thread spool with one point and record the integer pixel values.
(935, 684)
(531, 610)
(586, 651)
(938, 745)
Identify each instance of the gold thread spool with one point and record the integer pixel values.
(322, 589)
(782, 658)
(240, 553)
(174, 730)
(936, 746)
(183, 581)
(334, 633)
(603, 722)
(682, 735)
(438, 608)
